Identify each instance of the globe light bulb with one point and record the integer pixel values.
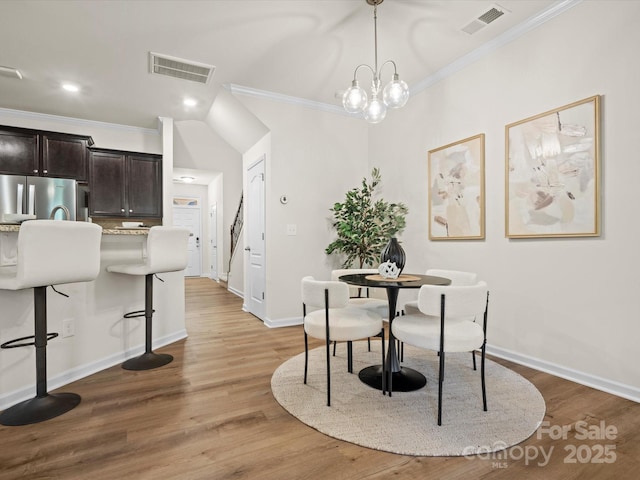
(354, 99)
(396, 93)
(375, 111)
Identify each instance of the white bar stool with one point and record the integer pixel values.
(167, 251)
(49, 252)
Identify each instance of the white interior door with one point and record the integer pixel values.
(213, 254)
(189, 217)
(255, 271)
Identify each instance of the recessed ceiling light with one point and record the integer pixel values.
(190, 102)
(187, 179)
(70, 87)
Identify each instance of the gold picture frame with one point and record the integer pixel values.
(456, 190)
(553, 173)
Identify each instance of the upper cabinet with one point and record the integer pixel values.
(64, 156)
(46, 154)
(19, 151)
(125, 184)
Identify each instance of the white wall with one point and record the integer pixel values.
(197, 146)
(565, 305)
(315, 158)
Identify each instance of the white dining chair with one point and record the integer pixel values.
(335, 320)
(457, 277)
(446, 325)
(374, 299)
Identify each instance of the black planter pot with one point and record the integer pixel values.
(394, 253)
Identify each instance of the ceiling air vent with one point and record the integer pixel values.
(180, 68)
(494, 12)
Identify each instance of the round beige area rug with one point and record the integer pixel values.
(406, 423)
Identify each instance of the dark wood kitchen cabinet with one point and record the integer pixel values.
(45, 154)
(124, 184)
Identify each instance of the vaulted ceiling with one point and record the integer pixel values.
(299, 48)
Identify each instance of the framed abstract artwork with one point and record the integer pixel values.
(553, 173)
(456, 190)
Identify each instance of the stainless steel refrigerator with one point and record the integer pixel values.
(39, 196)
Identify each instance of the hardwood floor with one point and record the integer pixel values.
(210, 415)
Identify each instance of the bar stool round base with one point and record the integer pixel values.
(39, 409)
(147, 361)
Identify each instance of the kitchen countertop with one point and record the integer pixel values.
(126, 231)
(5, 227)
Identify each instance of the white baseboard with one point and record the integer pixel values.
(283, 322)
(83, 371)
(615, 388)
(236, 292)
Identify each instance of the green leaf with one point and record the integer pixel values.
(364, 226)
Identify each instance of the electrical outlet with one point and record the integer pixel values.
(68, 328)
(292, 229)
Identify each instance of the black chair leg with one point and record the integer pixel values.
(473, 355)
(328, 372)
(306, 356)
(388, 374)
(440, 379)
(350, 356)
(384, 368)
(334, 348)
(400, 348)
(484, 386)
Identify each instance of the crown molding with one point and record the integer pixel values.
(77, 121)
(281, 98)
(498, 42)
(510, 35)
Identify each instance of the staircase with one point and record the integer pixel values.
(236, 229)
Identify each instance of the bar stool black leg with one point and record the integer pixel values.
(44, 406)
(149, 359)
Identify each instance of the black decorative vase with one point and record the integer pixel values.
(394, 253)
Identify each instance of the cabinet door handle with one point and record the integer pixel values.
(130, 211)
(35, 171)
(122, 210)
(44, 171)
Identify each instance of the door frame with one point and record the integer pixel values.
(213, 238)
(187, 206)
(250, 306)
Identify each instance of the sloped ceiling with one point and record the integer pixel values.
(299, 48)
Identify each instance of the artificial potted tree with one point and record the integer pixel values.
(366, 226)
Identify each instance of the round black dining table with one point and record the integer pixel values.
(405, 379)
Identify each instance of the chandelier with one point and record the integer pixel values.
(394, 95)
